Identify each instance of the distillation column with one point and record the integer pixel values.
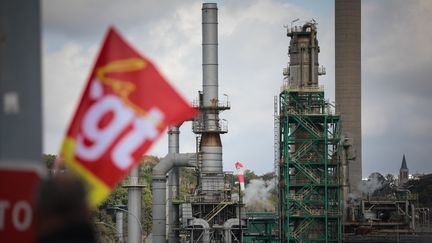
(309, 141)
(303, 50)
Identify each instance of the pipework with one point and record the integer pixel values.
(159, 189)
(173, 186)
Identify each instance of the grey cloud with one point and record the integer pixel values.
(252, 53)
(397, 85)
(84, 17)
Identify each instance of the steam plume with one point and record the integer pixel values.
(258, 195)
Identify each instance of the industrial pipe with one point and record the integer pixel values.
(312, 80)
(228, 227)
(159, 190)
(173, 186)
(119, 226)
(345, 181)
(134, 206)
(205, 227)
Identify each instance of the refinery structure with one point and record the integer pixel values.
(317, 156)
(310, 147)
(209, 214)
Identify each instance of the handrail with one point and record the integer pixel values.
(296, 87)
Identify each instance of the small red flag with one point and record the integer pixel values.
(125, 108)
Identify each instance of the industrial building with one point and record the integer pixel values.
(310, 151)
(210, 214)
(318, 150)
(317, 157)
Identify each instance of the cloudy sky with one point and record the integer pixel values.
(396, 68)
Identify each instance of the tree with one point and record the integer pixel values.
(268, 176)
(249, 175)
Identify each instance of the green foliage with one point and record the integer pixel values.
(268, 176)
(146, 212)
(249, 175)
(188, 182)
(146, 169)
(104, 224)
(49, 160)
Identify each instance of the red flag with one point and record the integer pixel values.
(124, 109)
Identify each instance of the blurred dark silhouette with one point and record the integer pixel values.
(62, 214)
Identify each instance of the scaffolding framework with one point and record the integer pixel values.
(310, 171)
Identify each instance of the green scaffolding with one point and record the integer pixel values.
(261, 227)
(310, 167)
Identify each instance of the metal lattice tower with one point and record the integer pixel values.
(309, 175)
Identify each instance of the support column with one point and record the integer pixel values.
(134, 207)
(173, 186)
(20, 81)
(119, 226)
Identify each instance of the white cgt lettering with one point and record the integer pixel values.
(143, 130)
(101, 138)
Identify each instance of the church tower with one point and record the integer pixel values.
(403, 172)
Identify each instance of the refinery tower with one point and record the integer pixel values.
(209, 213)
(309, 147)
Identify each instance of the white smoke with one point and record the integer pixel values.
(353, 199)
(258, 195)
(375, 182)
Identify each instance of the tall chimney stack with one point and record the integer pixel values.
(348, 80)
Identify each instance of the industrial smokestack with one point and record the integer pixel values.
(348, 80)
(210, 54)
(210, 146)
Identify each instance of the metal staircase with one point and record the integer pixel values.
(300, 229)
(301, 151)
(308, 197)
(309, 173)
(216, 210)
(305, 123)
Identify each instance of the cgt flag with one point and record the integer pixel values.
(124, 109)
